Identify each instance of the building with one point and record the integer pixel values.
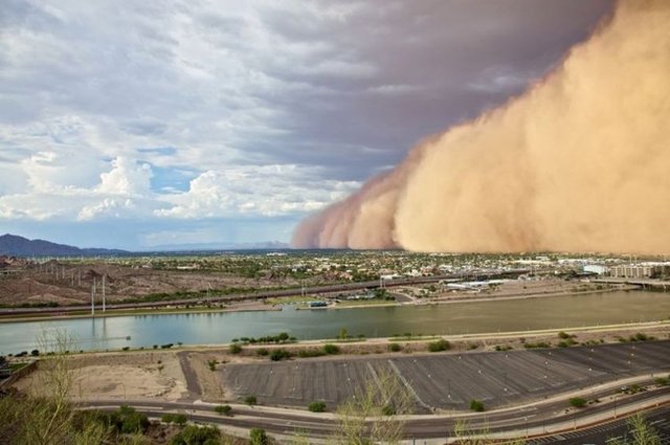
(643, 270)
(597, 269)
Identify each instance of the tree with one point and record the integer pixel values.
(250, 400)
(375, 414)
(45, 416)
(641, 433)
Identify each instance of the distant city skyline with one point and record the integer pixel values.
(154, 125)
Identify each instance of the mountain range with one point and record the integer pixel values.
(13, 245)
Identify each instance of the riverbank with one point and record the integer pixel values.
(187, 372)
(508, 290)
(253, 306)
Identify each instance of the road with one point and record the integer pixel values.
(539, 421)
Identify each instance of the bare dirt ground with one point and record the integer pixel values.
(137, 375)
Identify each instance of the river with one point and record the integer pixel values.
(455, 318)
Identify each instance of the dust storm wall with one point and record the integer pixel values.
(580, 162)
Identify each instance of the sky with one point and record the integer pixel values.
(140, 125)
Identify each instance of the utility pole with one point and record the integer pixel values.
(93, 299)
(104, 278)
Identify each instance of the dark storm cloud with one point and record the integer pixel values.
(431, 64)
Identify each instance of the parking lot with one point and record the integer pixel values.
(447, 381)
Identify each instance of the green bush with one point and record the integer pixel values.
(663, 381)
(235, 348)
(394, 347)
(564, 335)
(538, 345)
(262, 352)
(279, 354)
(331, 349)
(577, 402)
(197, 435)
(477, 405)
(211, 364)
(224, 410)
(259, 437)
(311, 352)
(250, 400)
(439, 345)
(127, 420)
(317, 407)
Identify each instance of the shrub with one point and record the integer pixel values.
(179, 419)
(317, 407)
(258, 437)
(663, 381)
(262, 352)
(331, 349)
(235, 348)
(577, 402)
(197, 435)
(538, 345)
(476, 405)
(250, 400)
(439, 345)
(35, 352)
(211, 364)
(155, 346)
(564, 335)
(128, 421)
(167, 346)
(125, 348)
(224, 410)
(394, 347)
(279, 354)
(311, 352)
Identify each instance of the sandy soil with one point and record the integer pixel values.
(145, 375)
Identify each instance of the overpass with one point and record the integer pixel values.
(645, 283)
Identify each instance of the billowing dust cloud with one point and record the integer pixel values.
(580, 162)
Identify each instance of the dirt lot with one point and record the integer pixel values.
(145, 375)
